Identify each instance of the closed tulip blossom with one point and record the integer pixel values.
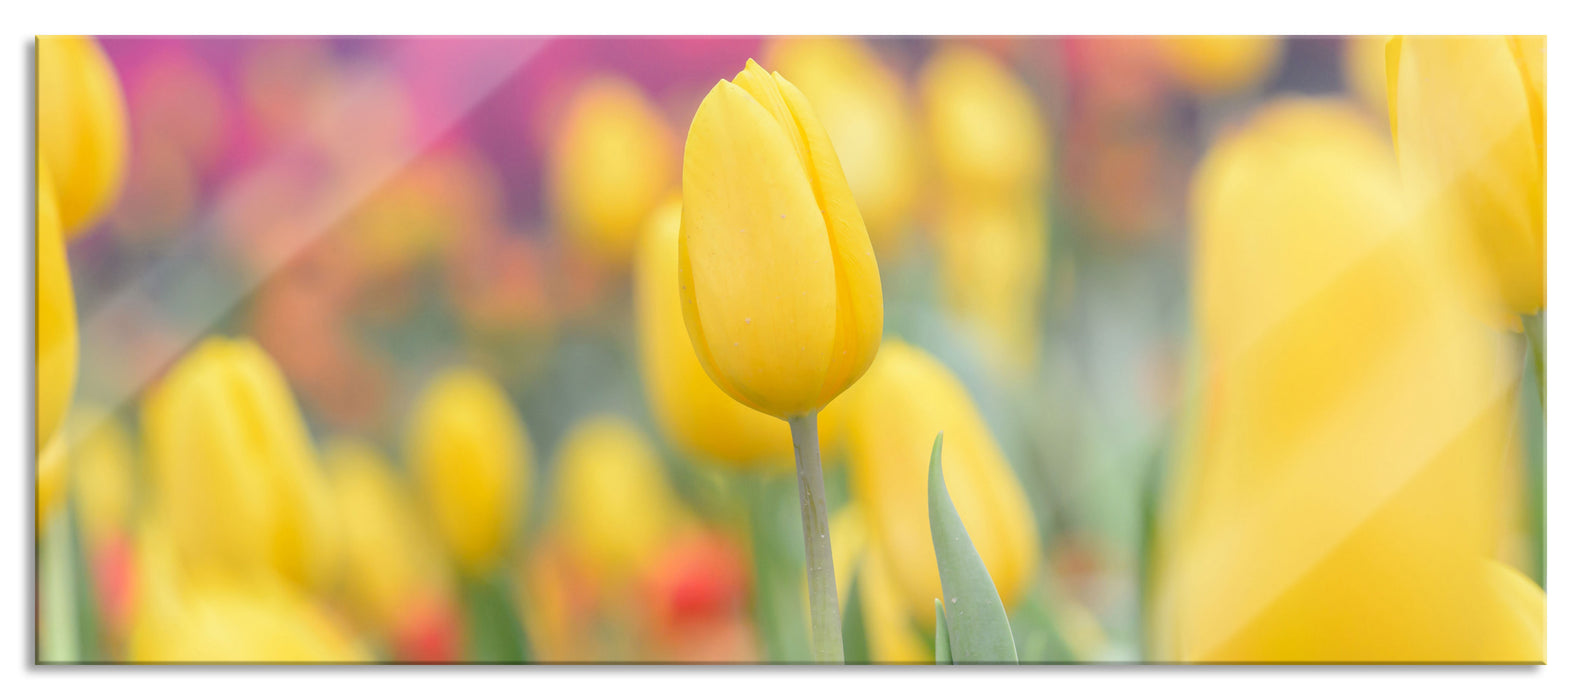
(56, 316)
(887, 439)
(186, 616)
(778, 281)
(867, 111)
(608, 167)
(692, 412)
(472, 458)
(394, 568)
(991, 211)
(1219, 65)
(1469, 116)
(233, 471)
(1338, 495)
(81, 127)
(615, 507)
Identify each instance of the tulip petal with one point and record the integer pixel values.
(859, 317)
(1464, 131)
(761, 311)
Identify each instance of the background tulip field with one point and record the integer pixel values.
(371, 350)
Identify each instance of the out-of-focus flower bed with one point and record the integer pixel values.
(371, 349)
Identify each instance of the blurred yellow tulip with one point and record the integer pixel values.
(392, 561)
(103, 475)
(1338, 495)
(691, 410)
(609, 166)
(984, 126)
(779, 286)
(892, 637)
(81, 127)
(1221, 65)
(232, 468)
(892, 416)
(1363, 65)
(993, 263)
(473, 460)
(614, 507)
(56, 325)
(1469, 115)
(864, 106)
(217, 620)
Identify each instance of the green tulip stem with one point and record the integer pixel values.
(1533, 328)
(823, 602)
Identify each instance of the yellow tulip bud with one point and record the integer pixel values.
(233, 470)
(223, 621)
(693, 413)
(892, 637)
(1337, 496)
(1220, 65)
(779, 286)
(392, 561)
(864, 106)
(473, 460)
(103, 472)
(892, 416)
(1469, 116)
(994, 258)
(614, 508)
(609, 166)
(984, 125)
(81, 127)
(56, 316)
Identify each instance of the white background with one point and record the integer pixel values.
(24, 18)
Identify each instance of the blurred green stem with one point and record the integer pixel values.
(822, 600)
(1533, 327)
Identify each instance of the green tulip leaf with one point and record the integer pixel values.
(853, 629)
(941, 636)
(979, 631)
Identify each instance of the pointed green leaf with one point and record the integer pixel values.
(979, 630)
(941, 636)
(853, 629)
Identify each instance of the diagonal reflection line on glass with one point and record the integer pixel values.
(175, 275)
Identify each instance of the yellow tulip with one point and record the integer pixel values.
(224, 621)
(984, 126)
(610, 165)
(892, 416)
(232, 467)
(56, 316)
(473, 460)
(779, 286)
(693, 413)
(1337, 498)
(993, 261)
(1469, 117)
(1363, 64)
(892, 636)
(864, 106)
(614, 507)
(103, 475)
(81, 127)
(1220, 65)
(392, 561)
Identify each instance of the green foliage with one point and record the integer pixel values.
(972, 615)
